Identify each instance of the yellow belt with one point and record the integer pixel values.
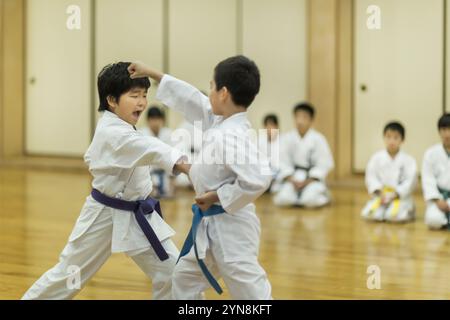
(377, 203)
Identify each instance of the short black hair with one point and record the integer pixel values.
(444, 121)
(306, 107)
(395, 126)
(241, 77)
(271, 118)
(114, 80)
(155, 113)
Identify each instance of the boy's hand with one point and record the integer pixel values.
(140, 70)
(206, 200)
(182, 167)
(301, 185)
(443, 205)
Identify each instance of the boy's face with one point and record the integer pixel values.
(130, 105)
(393, 140)
(303, 121)
(155, 124)
(217, 98)
(272, 130)
(445, 136)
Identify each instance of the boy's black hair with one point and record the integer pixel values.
(444, 121)
(155, 113)
(241, 77)
(114, 80)
(271, 118)
(306, 107)
(395, 126)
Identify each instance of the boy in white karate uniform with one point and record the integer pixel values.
(118, 158)
(391, 177)
(270, 146)
(188, 139)
(162, 180)
(225, 228)
(436, 178)
(305, 161)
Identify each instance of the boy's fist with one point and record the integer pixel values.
(206, 200)
(137, 70)
(140, 70)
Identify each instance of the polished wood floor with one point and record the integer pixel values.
(308, 254)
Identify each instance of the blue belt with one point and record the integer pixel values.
(190, 241)
(141, 208)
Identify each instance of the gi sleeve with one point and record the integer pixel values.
(188, 100)
(429, 182)
(373, 182)
(406, 187)
(252, 171)
(287, 167)
(322, 160)
(135, 150)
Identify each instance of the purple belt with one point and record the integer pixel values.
(140, 208)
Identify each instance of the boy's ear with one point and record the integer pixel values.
(224, 93)
(111, 101)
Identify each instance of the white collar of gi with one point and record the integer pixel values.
(111, 115)
(310, 130)
(237, 118)
(397, 156)
(444, 150)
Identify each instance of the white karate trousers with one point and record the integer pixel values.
(89, 252)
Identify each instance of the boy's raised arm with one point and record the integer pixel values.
(177, 94)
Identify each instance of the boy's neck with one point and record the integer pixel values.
(303, 133)
(394, 153)
(155, 133)
(232, 111)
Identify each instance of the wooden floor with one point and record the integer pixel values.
(322, 254)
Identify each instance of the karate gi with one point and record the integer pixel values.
(435, 184)
(272, 151)
(228, 243)
(161, 179)
(188, 139)
(304, 157)
(118, 159)
(389, 176)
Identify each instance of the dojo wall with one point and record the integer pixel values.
(184, 38)
(58, 79)
(402, 67)
(11, 77)
(316, 53)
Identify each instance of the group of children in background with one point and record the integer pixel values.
(391, 178)
(301, 160)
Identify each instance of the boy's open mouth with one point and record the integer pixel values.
(137, 114)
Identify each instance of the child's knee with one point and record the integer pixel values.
(283, 200)
(285, 197)
(404, 212)
(314, 195)
(434, 217)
